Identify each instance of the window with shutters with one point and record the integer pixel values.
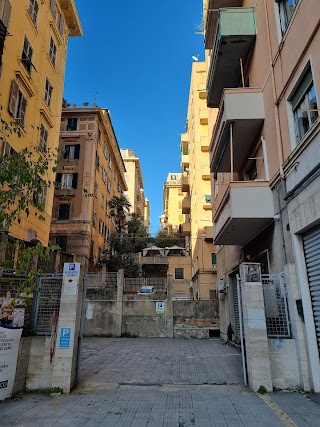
(43, 138)
(106, 152)
(60, 22)
(72, 124)
(52, 52)
(109, 185)
(94, 218)
(33, 10)
(62, 242)
(5, 12)
(17, 104)
(26, 57)
(69, 181)
(110, 163)
(48, 93)
(64, 211)
(71, 152)
(7, 150)
(304, 105)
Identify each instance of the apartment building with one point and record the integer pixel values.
(172, 218)
(91, 171)
(33, 47)
(196, 186)
(134, 180)
(263, 90)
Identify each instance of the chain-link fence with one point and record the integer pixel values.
(276, 306)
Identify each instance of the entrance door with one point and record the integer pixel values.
(311, 244)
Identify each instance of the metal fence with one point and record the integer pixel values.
(100, 287)
(46, 302)
(132, 285)
(276, 306)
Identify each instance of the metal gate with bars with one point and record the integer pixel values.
(276, 306)
(311, 245)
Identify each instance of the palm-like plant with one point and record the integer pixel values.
(119, 207)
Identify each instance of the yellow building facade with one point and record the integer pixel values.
(172, 217)
(32, 77)
(196, 186)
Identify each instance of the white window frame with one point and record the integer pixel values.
(52, 51)
(66, 181)
(33, 11)
(48, 92)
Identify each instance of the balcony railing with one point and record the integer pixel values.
(185, 186)
(234, 38)
(186, 205)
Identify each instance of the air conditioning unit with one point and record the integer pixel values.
(221, 289)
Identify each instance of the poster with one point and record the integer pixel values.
(71, 275)
(160, 308)
(11, 324)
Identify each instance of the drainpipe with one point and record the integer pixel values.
(300, 183)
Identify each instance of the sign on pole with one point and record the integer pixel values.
(71, 277)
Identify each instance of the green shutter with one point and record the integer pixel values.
(301, 89)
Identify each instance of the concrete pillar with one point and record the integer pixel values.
(65, 359)
(169, 308)
(120, 286)
(255, 328)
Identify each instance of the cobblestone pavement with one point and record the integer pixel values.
(160, 383)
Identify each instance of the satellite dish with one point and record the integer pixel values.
(195, 58)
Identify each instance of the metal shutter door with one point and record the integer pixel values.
(311, 243)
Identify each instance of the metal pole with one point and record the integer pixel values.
(284, 293)
(80, 338)
(241, 332)
(242, 75)
(231, 150)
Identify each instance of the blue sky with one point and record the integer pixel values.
(137, 57)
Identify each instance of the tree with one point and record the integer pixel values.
(23, 177)
(135, 224)
(164, 239)
(119, 207)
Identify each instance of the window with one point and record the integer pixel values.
(95, 190)
(94, 218)
(53, 8)
(26, 56)
(48, 93)
(62, 242)
(33, 10)
(102, 201)
(207, 198)
(99, 135)
(104, 175)
(72, 124)
(17, 103)
(60, 22)
(110, 163)
(106, 152)
(101, 227)
(67, 181)
(119, 188)
(173, 177)
(286, 9)
(39, 198)
(304, 105)
(179, 273)
(43, 138)
(97, 161)
(109, 185)
(64, 211)
(213, 259)
(5, 12)
(52, 52)
(71, 152)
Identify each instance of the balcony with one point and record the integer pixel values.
(186, 205)
(154, 260)
(186, 228)
(205, 172)
(234, 37)
(211, 18)
(245, 210)
(204, 116)
(207, 234)
(244, 109)
(207, 202)
(204, 141)
(185, 186)
(184, 161)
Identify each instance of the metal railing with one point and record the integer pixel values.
(276, 306)
(100, 287)
(132, 285)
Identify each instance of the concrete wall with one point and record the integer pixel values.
(284, 363)
(100, 318)
(22, 365)
(39, 374)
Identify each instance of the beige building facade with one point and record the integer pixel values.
(91, 171)
(263, 90)
(196, 186)
(34, 40)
